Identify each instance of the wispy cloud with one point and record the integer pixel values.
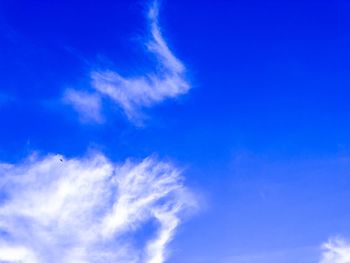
(88, 210)
(87, 104)
(336, 250)
(132, 94)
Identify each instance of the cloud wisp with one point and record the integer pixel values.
(87, 104)
(336, 250)
(132, 94)
(89, 210)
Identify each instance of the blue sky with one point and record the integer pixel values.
(248, 99)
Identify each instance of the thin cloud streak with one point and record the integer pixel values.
(88, 210)
(133, 94)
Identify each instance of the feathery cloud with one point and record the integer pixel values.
(132, 94)
(88, 210)
(336, 250)
(87, 104)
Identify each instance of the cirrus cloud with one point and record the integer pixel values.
(89, 210)
(132, 94)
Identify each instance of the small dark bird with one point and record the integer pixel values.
(61, 160)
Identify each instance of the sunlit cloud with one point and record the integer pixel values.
(89, 210)
(133, 94)
(336, 250)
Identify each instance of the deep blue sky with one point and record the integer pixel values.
(263, 134)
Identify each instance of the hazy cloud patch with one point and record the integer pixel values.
(336, 250)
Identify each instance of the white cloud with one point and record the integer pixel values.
(336, 250)
(88, 210)
(16, 254)
(87, 104)
(132, 94)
